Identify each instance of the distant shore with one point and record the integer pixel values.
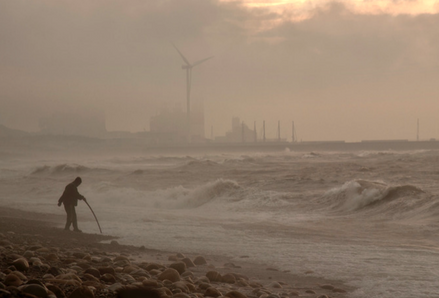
(63, 261)
(32, 145)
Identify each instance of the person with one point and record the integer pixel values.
(70, 199)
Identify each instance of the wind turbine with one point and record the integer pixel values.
(188, 66)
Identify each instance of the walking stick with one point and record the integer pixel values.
(94, 215)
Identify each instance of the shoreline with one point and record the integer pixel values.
(36, 145)
(30, 235)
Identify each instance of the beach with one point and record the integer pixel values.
(65, 263)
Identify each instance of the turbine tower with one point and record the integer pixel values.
(188, 66)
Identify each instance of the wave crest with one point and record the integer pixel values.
(63, 169)
(180, 197)
(359, 194)
(60, 169)
(218, 189)
(199, 164)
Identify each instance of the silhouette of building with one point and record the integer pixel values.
(170, 125)
(240, 133)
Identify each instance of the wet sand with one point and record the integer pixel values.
(51, 262)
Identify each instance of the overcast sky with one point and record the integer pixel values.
(347, 70)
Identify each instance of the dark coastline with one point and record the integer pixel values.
(38, 144)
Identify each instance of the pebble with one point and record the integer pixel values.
(188, 262)
(28, 254)
(129, 269)
(115, 287)
(13, 280)
(105, 270)
(82, 292)
(181, 295)
(199, 260)
(34, 289)
(235, 294)
(56, 290)
(179, 266)
(151, 266)
(181, 286)
(169, 274)
(93, 271)
(327, 287)
(213, 276)
(212, 292)
(108, 278)
(54, 271)
(21, 264)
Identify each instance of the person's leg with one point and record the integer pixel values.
(68, 209)
(75, 220)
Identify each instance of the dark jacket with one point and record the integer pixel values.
(70, 195)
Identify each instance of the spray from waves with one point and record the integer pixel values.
(374, 197)
(220, 190)
(244, 159)
(198, 164)
(311, 155)
(224, 194)
(150, 160)
(170, 198)
(221, 194)
(64, 169)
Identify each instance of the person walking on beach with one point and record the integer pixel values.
(70, 199)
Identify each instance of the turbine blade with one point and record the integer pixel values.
(201, 61)
(184, 58)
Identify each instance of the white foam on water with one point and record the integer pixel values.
(285, 210)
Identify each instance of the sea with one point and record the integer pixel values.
(368, 218)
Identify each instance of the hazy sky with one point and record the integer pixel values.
(347, 70)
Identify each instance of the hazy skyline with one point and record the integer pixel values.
(346, 70)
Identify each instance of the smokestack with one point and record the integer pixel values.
(263, 130)
(254, 128)
(293, 137)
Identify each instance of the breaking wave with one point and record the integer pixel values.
(221, 194)
(150, 159)
(199, 164)
(63, 169)
(179, 197)
(376, 196)
(228, 195)
(311, 155)
(244, 159)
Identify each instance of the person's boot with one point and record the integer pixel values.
(77, 230)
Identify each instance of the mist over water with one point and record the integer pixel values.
(368, 218)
